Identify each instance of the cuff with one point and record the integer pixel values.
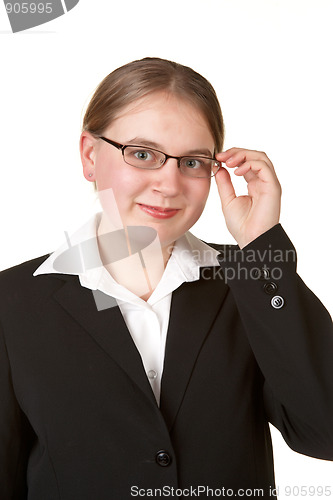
(267, 258)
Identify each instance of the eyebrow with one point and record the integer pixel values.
(141, 141)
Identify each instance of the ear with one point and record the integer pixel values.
(88, 144)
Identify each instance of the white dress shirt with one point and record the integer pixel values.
(147, 321)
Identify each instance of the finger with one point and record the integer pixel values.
(250, 176)
(225, 155)
(256, 168)
(225, 187)
(231, 151)
(236, 156)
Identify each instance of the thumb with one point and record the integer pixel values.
(225, 187)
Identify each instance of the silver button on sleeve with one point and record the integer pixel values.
(277, 302)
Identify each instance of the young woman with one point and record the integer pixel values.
(139, 361)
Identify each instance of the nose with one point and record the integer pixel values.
(168, 179)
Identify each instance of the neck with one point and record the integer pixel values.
(137, 269)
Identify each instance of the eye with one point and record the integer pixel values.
(144, 155)
(193, 163)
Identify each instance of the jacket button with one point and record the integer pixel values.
(163, 458)
(262, 274)
(270, 287)
(277, 302)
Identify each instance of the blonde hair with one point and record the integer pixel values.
(142, 77)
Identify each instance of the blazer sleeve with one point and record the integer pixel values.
(15, 435)
(291, 335)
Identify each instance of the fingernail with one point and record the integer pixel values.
(230, 160)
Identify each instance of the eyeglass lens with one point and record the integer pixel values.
(193, 166)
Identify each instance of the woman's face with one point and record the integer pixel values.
(163, 199)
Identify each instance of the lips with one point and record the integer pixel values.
(158, 212)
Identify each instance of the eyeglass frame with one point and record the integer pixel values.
(122, 148)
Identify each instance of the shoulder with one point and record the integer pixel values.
(20, 289)
(21, 271)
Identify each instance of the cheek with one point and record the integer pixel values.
(116, 191)
(111, 173)
(118, 186)
(103, 172)
(199, 195)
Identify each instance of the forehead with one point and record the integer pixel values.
(159, 99)
(162, 116)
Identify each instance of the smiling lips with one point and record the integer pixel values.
(159, 212)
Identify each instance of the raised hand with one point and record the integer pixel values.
(248, 216)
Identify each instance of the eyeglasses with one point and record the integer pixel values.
(152, 159)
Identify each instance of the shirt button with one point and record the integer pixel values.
(152, 374)
(163, 458)
(270, 287)
(277, 302)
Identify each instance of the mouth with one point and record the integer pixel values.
(158, 212)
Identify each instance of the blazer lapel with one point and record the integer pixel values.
(194, 307)
(108, 329)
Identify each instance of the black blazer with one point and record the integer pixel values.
(78, 418)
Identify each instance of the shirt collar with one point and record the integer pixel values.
(191, 254)
(188, 256)
(80, 256)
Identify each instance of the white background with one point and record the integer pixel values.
(270, 62)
